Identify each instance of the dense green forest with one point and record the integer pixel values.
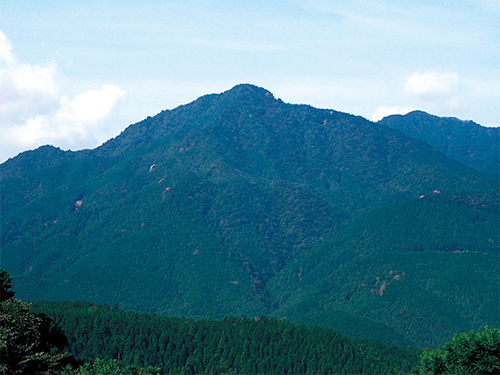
(233, 345)
(474, 352)
(470, 143)
(239, 204)
(426, 267)
(32, 341)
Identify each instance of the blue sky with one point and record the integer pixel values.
(76, 73)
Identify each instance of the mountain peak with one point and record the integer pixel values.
(248, 93)
(249, 89)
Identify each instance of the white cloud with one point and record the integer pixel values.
(89, 108)
(74, 125)
(5, 50)
(34, 110)
(34, 79)
(440, 93)
(382, 112)
(432, 84)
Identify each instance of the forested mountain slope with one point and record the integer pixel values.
(470, 143)
(233, 345)
(201, 210)
(426, 267)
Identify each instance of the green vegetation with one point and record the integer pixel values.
(466, 353)
(426, 268)
(353, 325)
(470, 143)
(111, 367)
(111, 341)
(232, 345)
(29, 342)
(239, 204)
(6, 291)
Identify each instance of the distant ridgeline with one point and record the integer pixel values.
(470, 143)
(240, 204)
(232, 345)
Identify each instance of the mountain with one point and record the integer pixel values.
(205, 210)
(427, 267)
(470, 143)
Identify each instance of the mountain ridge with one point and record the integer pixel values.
(197, 211)
(240, 93)
(465, 141)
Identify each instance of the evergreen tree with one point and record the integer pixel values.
(465, 353)
(5, 286)
(111, 367)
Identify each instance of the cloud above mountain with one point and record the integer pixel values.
(36, 108)
(430, 83)
(440, 90)
(439, 93)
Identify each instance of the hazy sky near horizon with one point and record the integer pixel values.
(76, 73)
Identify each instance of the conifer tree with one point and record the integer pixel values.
(6, 291)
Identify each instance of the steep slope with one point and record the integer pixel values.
(426, 267)
(470, 143)
(195, 210)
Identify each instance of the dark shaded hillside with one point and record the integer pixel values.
(426, 267)
(470, 143)
(234, 345)
(353, 325)
(195, 211)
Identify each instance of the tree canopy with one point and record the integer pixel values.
(6, 291)
(29, 342)
(474, 353)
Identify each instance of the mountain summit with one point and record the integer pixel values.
(215, 208)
